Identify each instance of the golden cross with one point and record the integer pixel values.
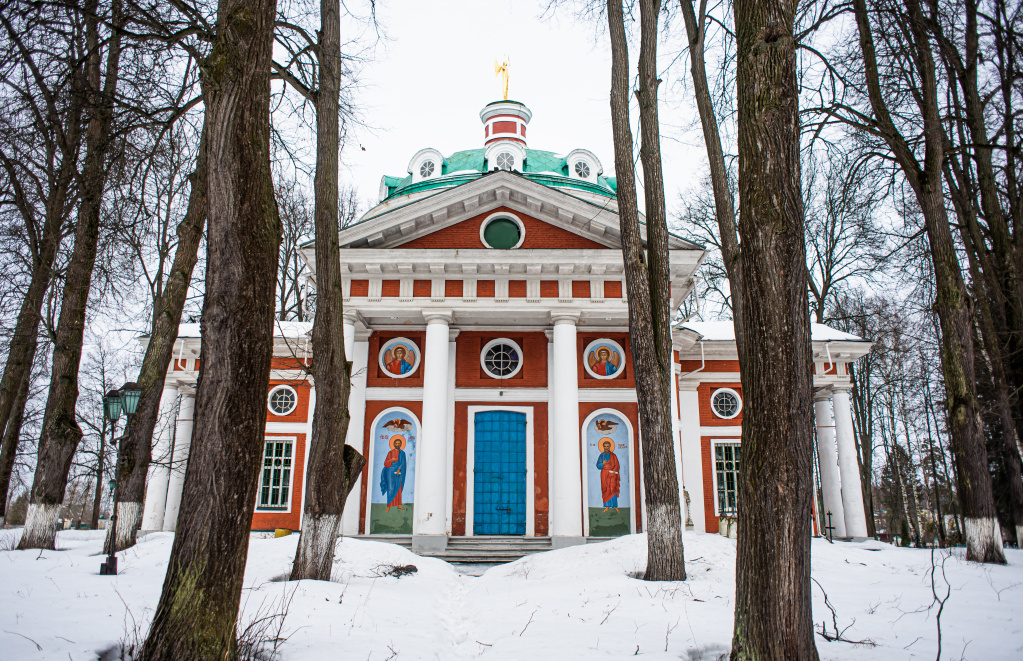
(502, 70)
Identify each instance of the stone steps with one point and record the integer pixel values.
(490, 550)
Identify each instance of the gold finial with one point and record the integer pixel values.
(502, 70)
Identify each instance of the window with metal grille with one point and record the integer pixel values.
(501, 358)
(582, 169)
(726, 465)
(282, 400)
(725, 403)
(426, 169)
(275, 480)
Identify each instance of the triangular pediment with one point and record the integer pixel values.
(405, 222)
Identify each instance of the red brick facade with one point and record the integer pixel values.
(539, 235)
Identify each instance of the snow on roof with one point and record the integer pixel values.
(288, 329)
(724, 331)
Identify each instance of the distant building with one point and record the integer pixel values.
(494, 387)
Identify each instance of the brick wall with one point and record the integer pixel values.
(376, 377)
(539, 235)
(301, 412)
(469, 372)
(626, 377)
(707, 417)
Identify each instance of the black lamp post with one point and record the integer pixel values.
(126, 399)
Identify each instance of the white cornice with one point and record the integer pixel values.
(447, 207)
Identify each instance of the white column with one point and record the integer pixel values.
(159, 467)
(848, 464)
(566, 523)
(692, 455)
(356, 426)
(349, 335)
(431, 457)
(827, 456)
(182, 443)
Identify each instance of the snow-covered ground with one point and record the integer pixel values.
(576, 603)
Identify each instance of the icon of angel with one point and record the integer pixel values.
(604, 361)
(399, 359)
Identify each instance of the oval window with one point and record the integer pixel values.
(502, 233)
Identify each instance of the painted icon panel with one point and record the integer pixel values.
(399, 358)
(393, 474)
(607, 475)
(604, 359)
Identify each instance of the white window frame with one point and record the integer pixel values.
(502, 215)
(405, 340)
(487, 347)
(591, 346)
(470, 467)
(269, 398)
(291, 476)
(714, 443)
(714, 410)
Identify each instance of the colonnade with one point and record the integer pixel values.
(839, 465)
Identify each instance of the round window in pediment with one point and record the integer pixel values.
(505, 161)
(426, 169)
(502, 233)
(582, 170)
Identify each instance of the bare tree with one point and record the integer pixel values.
(39, 156)
(647, 281)
(908, 24)
(61, 433)
(198, 608)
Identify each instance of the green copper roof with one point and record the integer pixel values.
(544, 167)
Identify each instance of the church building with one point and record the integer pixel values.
(493, 385)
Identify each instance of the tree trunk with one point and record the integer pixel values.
(198, 608)
(137, 447)
(772, 597)
(9, 448)
(723, 204)
(648, 284)
(952, 304)
(60, 431)
(333, 466)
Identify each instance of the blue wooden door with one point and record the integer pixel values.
(499, 490)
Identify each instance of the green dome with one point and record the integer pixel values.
(543, 167)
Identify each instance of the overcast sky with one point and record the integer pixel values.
(427, 82)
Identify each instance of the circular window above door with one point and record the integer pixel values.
(501, 359)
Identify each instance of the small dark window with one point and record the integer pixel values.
(502, 233)
(426, 169)
(725, 403)
(582, 169)
(501, 360)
